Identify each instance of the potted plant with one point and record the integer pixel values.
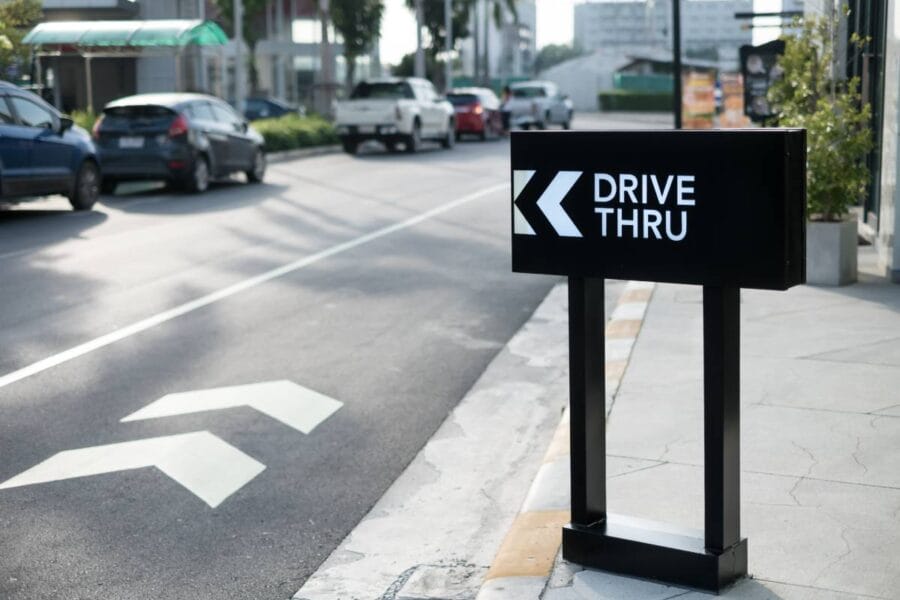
(812, 95)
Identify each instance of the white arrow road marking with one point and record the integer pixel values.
(550, 200)
(207, 466)
(520, 180)
(292, 404)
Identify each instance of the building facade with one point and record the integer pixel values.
(708, 27)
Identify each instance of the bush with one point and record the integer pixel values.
(837, 123)
(293, 131)
(635, 101)
(84, 118)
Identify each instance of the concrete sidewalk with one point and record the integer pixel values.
(820, 456)
(820, 451)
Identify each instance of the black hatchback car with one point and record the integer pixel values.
(185, 139)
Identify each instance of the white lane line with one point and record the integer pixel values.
(172, 313)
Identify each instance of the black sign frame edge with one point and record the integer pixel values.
(796, 213)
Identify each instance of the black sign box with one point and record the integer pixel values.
(710, 207)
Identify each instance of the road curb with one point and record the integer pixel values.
(286, 155)
(525, 559)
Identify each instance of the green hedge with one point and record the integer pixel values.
(635, 101)
(293, 131)
(84, 118)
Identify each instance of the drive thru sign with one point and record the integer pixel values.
(721, 209)
(704, 207)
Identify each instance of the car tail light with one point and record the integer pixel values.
(477, 108)
(95, 130)
(178, 127)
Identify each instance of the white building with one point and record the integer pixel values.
(707, 26)
(510, 47)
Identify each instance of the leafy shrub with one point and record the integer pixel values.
(293, 131)
(635, 101)
(84, 118)
(838, 130)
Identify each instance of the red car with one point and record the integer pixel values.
(477, 112)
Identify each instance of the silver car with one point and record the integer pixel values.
(538, 104)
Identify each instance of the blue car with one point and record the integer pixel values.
(42, 152)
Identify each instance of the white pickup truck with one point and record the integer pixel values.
(395, 111)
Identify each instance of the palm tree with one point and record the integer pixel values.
(497, 8)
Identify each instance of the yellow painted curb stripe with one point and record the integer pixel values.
(530, 546)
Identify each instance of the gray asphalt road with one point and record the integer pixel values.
(381, 281)
(396, 328)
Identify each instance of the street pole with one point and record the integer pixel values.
(420, 52)
(239, 92)
(676, 60)
(326, 86)
(448, 59)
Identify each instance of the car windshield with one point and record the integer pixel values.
(462, 99)
(528, 92)
(378, 91)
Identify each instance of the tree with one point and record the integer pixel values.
(359, 23)
(433, 17)
(16, 18)
(810, 94)
(253, 9)
(553, 54)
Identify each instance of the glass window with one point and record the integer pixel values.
(202, 111)
(226, 116)
(30, 114)
(385, 90)
(6, 117)
(528, 92)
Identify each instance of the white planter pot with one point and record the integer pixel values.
(831, 253)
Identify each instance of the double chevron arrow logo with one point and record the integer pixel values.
(203, 463)
(550, 203)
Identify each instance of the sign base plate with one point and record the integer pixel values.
(651, 550)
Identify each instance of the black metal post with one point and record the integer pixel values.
(676, 60)
(721, 405)
(587, 397)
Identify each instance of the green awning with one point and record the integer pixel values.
(127, 34)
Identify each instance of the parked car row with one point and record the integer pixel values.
(189, 139)
(184, 139)
(406, 111)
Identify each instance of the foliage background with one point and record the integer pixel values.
(837, 125)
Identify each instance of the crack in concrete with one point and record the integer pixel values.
(802, 478)
(845, 349)
(822, 589)
(678, 595)
(855, 455)
(848, 550)
(638, 470)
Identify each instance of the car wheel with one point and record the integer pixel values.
(449, 139)
(414, 140)
(108, 186)
(198, 182)
(391, 146)
(350, 147)
(87, 186)
(256, 174)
